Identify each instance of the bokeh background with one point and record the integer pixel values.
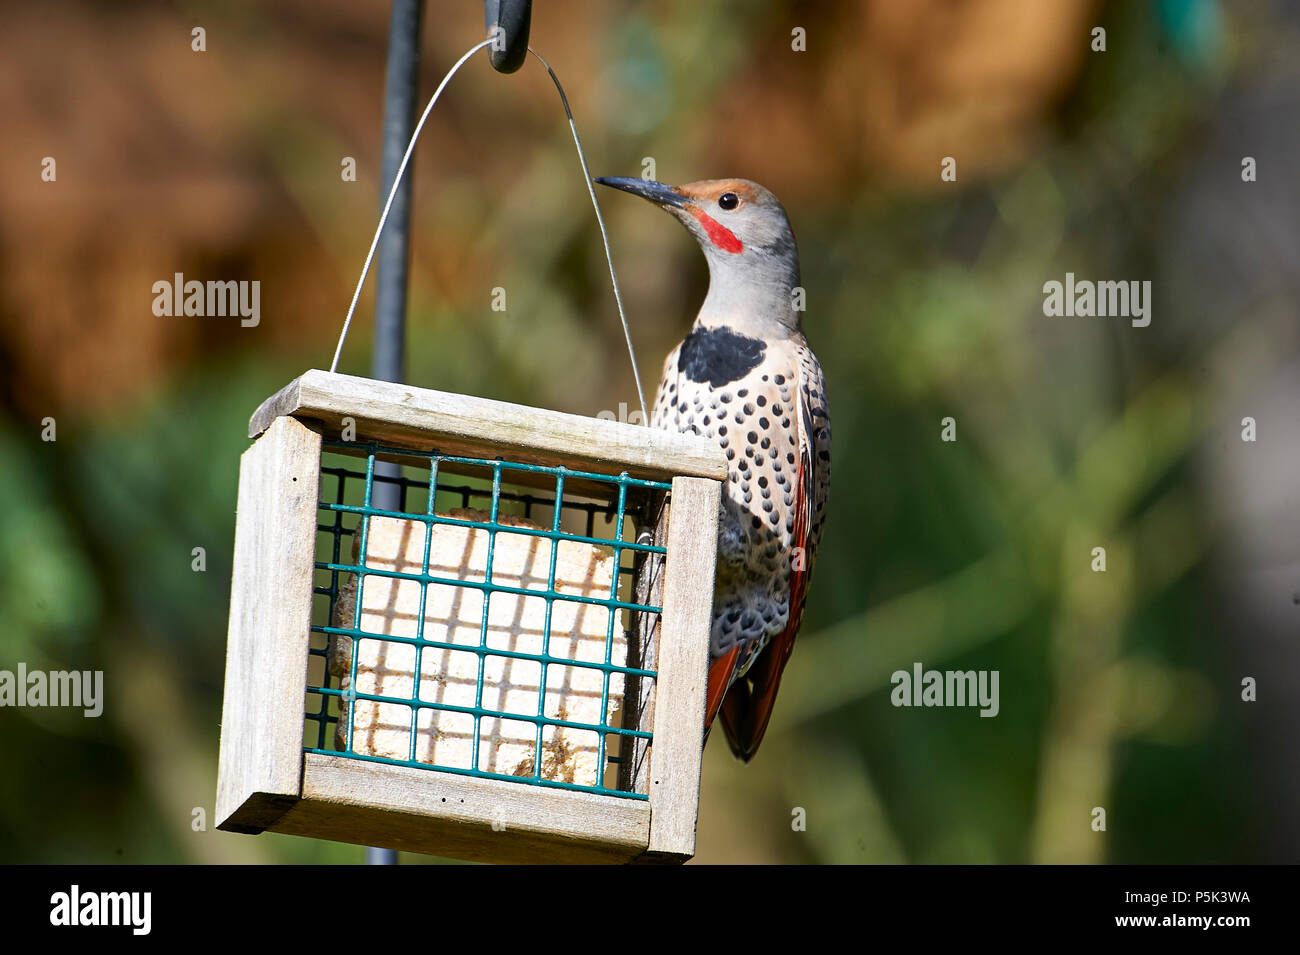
(1120, 690)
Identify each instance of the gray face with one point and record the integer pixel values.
(732, 216)
(746, 238)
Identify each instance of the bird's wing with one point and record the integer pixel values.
(721, 688)
(747, 708)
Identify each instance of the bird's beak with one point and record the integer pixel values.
(656, 192)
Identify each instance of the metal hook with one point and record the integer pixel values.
(512, 18)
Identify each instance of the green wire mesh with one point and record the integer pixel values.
(609, 510)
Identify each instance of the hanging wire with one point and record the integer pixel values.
(604, 236)
(586, 174)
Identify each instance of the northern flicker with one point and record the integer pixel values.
(746, 378)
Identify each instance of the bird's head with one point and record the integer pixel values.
(745, 235)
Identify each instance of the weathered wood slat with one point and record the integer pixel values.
(682, 662)
(462, 424)
(416, 810)
(270, 627)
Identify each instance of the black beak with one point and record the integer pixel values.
(656, 192)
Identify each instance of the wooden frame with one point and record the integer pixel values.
(267, 781)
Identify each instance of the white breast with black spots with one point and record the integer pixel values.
(753, 419)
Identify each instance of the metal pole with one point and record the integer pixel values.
(388, 361)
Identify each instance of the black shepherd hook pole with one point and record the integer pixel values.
(401, 85)
(388, 362)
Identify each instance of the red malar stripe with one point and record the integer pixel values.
(719, 234)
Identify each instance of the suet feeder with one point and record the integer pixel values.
(509, 665)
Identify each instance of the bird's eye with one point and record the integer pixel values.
(728, 200)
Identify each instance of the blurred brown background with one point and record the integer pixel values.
(1119, 690)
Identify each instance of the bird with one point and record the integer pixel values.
(746, 378)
